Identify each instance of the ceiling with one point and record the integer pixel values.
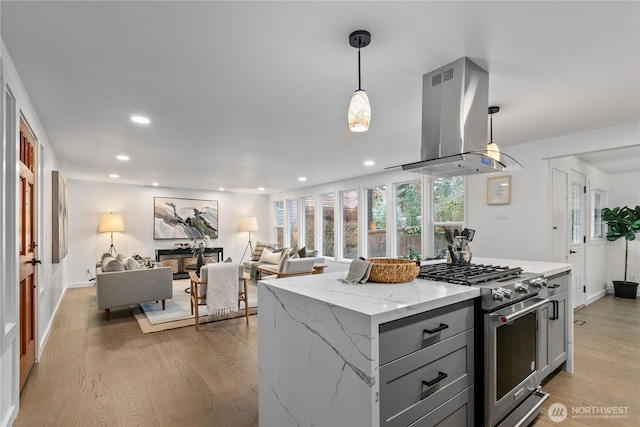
(244, 95)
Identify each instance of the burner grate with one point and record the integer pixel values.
(467, 274)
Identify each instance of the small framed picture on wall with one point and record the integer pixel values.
(499, 190)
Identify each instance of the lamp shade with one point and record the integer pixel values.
(359, 111)
(249, 223)
(111, 222)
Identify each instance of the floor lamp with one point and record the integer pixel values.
(108, 224)
(249, 224)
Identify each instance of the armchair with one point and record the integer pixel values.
(290, 267)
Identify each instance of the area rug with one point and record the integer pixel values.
(177, 314)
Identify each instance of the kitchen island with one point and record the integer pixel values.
(319, 346)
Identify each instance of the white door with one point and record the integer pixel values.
(559, 221)
(577, 237)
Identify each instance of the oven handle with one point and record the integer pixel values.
(543, 396)
(512, 316)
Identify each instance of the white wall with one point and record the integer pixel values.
(87, 200)
(624, 191)
(51, 277)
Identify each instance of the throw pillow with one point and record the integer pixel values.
(132, 264)
(113, 265)
(257, 252)
(269, 257)
(120, 257)
(228, 259)
(105, 255)
(283, 260)
(302, 252)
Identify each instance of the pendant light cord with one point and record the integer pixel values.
(491, 137)
(359, 84)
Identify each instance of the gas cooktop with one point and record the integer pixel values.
(472, 274)
(499, 286)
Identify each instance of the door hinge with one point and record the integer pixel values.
(584, 189)
(584, 239)
(584, 289)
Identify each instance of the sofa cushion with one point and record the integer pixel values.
(105, 255)
(302, 252)
(131, 264)
(120, 257)
(113, 265)
(270, 257)
(257, 252)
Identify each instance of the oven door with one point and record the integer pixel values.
(512, 340)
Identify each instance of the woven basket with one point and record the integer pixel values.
(392, 270)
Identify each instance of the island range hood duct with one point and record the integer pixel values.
(455, 102)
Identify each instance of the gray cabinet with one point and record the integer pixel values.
(553, 327)
(427, 370)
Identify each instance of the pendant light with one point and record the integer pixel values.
(492, 148)
(359, 107)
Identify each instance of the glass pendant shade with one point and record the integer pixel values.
(359, 112)
(493, 151)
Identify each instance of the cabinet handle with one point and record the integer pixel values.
(555, 285)
(434, 330)
(440, 377)
(555, 305)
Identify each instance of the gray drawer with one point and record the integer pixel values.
(404, 398)
(404, 336)
(457, 412)
(557, 283)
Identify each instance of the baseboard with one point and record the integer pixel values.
(12, 414)
(597, 296)
(47, 332)
(80, 284)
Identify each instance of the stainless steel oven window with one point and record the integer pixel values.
(516, 353)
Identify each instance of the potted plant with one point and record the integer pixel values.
(623, 222)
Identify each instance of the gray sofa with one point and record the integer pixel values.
(121, 288)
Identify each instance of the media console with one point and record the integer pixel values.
(179, 258)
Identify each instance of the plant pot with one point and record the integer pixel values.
(624, 289)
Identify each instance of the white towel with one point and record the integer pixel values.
(222, 288)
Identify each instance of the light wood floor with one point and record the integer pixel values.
(98, 373)
(606, 366)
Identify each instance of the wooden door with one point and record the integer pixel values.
(26, 247)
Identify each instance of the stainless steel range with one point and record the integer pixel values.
(511, 304)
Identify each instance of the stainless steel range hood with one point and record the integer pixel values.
(455, 102)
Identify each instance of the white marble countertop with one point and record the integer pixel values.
(375, 299)
(542, 267)
(386, 300)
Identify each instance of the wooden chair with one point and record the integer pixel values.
(197, 294)
(291, 267)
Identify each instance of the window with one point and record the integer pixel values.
(576, 214)
(309, 222)
(409, 219)
(349, 224)
(598, 225)
(279, 223)
(292, 211)
(328, 220)
(448, 211)
(377, 221)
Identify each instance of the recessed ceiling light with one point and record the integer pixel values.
(113, 175)
(221, 189)
(155, 184)
(261, 188)
(122, 157)
(302, 178)
(140, 119)
(369, 163)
